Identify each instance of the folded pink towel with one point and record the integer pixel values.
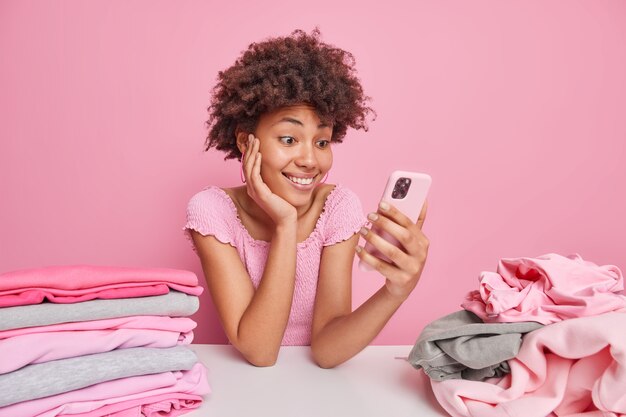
(47, 346)
(76, 283)
(166, 323)
(138, 392)
(546, 289)
(572, 368)
(164, 405)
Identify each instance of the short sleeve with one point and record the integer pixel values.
(210, 212)
(344, 216)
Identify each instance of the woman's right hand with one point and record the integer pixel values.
(279, 210)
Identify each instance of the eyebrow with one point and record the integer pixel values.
(297, 122)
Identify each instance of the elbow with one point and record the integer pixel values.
(256, 352)
(322, 360)
(260, 358)
(262, 361)
(325, 364)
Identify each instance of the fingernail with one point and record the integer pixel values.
(363, 231)
(383, 205)
(358, 249)
(372, 216)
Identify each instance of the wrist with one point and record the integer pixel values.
(286, 226)
(286, 220)
(395, 296)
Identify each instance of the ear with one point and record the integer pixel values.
(242, 140)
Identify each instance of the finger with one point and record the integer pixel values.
(397, 256)
(250, 157)
(382, 223)
(255, 170)
(385, 268)
(261, 189)
(389, 210)
(247, 150)
(246, 153)
(422, 216)
(412, 241)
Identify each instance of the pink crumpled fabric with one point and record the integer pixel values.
(546, 289)
(573, 368)
(77, 283)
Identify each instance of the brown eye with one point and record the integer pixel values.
(323, 143)
(287, 140)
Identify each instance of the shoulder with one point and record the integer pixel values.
(209, 195)
(342, 216)
(211, 212)
(211, 201)
(341, 198)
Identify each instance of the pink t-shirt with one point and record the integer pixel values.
(212, 212)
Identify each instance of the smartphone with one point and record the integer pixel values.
(406, 191)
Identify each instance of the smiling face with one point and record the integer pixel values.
(296, 152)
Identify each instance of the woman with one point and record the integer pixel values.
(277, 252)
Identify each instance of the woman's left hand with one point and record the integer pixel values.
(407, 262)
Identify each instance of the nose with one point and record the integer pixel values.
(306, 157)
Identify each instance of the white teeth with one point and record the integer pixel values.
(303, 181)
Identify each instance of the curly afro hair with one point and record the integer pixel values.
(280, 72)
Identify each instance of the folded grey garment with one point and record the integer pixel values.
(64, 375)
(461, 346)
(174, 304)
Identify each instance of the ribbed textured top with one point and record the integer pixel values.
(212, 212)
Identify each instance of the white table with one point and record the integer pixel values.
(373, 383)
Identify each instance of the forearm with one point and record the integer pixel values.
(345, 336)
(263, 324)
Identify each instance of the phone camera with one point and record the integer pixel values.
(401, 188)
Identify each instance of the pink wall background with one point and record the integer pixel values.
(516, 109)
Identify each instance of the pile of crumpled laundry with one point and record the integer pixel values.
(541, 336)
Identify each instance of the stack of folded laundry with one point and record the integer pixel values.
(541, 336)
(99, 341)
